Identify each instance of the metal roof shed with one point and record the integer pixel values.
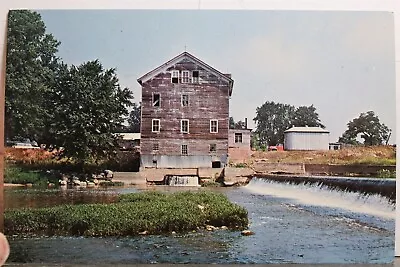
(306, 138)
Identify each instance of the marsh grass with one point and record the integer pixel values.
(154, 212)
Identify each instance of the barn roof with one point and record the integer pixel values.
(178, 58)
(306, 130)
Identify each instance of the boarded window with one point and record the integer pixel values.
(195, 76)
(184, 149)
(238, 138)
(185, 100)
(213, 126)
(155, 147)
(213, 147)
(175, 76)
(156, 100)
(185, 76)
(184, 126)
(155, 125)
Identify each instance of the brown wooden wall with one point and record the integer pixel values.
(209, 99)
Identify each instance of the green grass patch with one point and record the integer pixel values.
(18, 175)
(153, 212)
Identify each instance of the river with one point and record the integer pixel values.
(292, 224)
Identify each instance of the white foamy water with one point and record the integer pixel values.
(317, 195)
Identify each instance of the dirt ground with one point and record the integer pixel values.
(372, 155)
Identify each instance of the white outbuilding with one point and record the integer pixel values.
(306, 138)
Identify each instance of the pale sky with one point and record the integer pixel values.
(341, 62)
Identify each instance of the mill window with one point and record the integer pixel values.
(213, 126)
(184, 126)
(156, 100)
(213, 147)
(155, 125)
(185, 76)
(184, 149)
(155, 147)
(195, 76)
(238, 138)
(175, 76)
(185, 100)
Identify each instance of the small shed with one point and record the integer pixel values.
(239, 145)
(306, 138)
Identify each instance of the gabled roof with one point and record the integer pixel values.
(168, 64)
(306, 130)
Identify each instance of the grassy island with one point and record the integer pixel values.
(133, 214)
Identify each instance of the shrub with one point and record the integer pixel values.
(17, 175)
(153, 212)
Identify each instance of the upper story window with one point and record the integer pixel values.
(195, 76)
(155, 125)
(175, 76)
(185, 100)
(156, 100)
(213, 126)
(238, 138)
(185, 76)
(184, 126)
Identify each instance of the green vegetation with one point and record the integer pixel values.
(386, 174)
(78, 108)
(16, 175)
(153, 212)
(369, 128)
(211, 184)
(273, 119)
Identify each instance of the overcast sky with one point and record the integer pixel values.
(341, 62)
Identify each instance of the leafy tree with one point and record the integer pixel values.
(89, 107)
(134, 118)
(306, 116)
(368, 127)
(231, 123)
(272, 119)
(30, 67)
(236, 125)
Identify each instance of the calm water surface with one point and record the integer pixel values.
(292, 224)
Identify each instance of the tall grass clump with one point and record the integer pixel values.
(153, 212)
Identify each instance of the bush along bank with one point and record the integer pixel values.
(19, 175)
(138, 213)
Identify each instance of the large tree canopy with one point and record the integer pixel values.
(31, 63)
(306, 116)
(368, 127)
(134, 118)
(89, 106)
(273, 119)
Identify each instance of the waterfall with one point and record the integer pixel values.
(319, 194)
(182, 180)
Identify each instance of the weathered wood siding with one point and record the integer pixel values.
(208, 100)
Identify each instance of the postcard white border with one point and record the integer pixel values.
(339, 5)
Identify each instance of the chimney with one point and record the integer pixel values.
(245, 123)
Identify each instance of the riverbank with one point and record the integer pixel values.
(134, 214)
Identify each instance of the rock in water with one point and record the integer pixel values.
(247, 232)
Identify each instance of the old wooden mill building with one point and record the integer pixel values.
(185, 115)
